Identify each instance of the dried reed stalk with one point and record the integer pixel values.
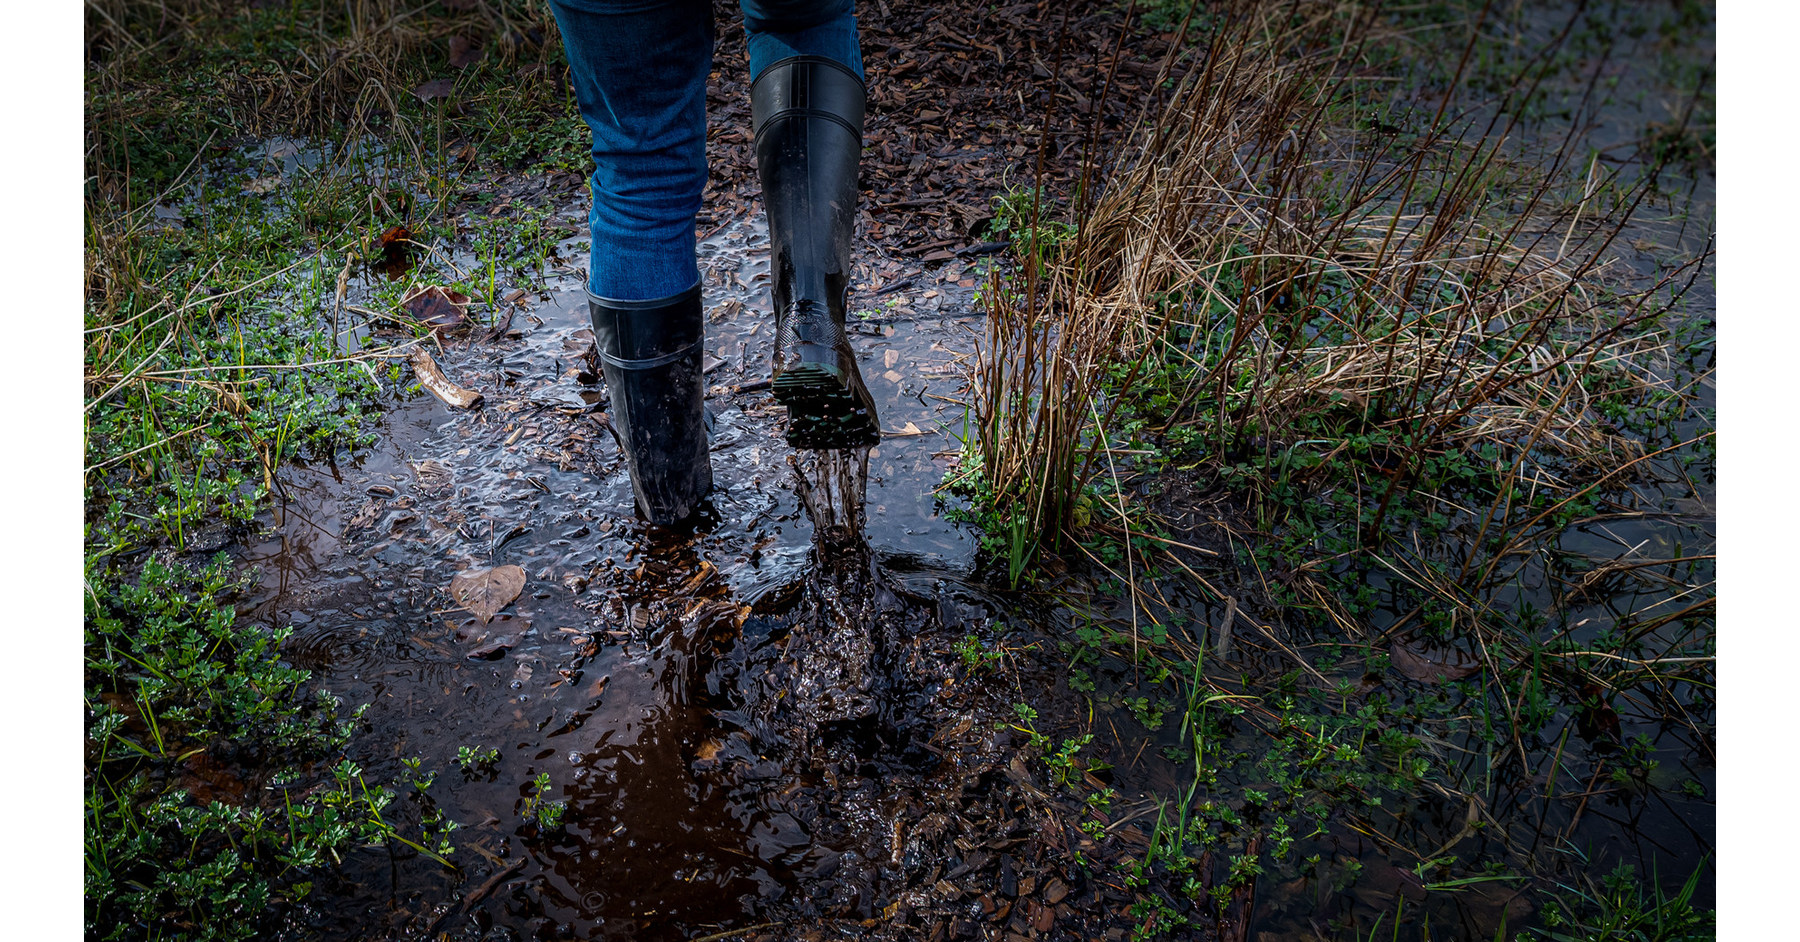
(1310, 275)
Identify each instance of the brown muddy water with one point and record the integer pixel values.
(728, 714)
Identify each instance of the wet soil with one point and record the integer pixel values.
(761, 721)
(764, 725)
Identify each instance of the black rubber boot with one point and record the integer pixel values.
(650, 352)
(808, 114)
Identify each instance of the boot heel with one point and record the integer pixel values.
(814, 371)
(650, 353)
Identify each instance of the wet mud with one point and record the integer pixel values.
(761, 726)
(757, 721)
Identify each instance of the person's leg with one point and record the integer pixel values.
(807, 101)
(639, 69)
(782, 29)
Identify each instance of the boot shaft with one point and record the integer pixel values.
(808, 116)
(650, 353)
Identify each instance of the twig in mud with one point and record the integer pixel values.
(480, 893)
(385, 353)
(492, 883)
(1640, 662)
(730, 933)
(1290, 652)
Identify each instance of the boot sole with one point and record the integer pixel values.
(825, 411)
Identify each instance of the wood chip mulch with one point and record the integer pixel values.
(958, 93)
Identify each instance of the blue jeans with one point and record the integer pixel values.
(639, 69)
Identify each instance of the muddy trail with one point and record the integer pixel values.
(763, 721)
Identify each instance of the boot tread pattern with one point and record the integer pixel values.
(824, 411)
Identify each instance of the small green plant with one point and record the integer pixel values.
(976, 658)
(472, 759)
(1636, 764)
(547, 815)
(1619, 907)
(420, 782)
(1063, 765)
(1023, 216)
(1148, 713)
(1028, 725)
(175, 680)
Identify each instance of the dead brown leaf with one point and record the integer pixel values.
(436, 306)
(434, 89)
(501, 636)
(484, 592)
(906, 431)
(435, 382)
(464, 52)
(1431, 667)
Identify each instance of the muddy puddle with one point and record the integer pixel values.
(731, 717)
(763, 723)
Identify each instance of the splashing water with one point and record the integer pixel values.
(833, 650)
(831, 484)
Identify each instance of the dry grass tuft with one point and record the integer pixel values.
(1306, 270)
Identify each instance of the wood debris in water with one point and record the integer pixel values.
(433, 380)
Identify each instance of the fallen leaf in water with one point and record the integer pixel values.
(890, 358)
(1497, 903)
(436, 306)
(1595, 719)
(1420, 666)
(436, 88)
(484, 592)
(906, 431)
(892, 376)
(395, 246)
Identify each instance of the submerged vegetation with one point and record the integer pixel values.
(1326, 384)
(242, 162)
